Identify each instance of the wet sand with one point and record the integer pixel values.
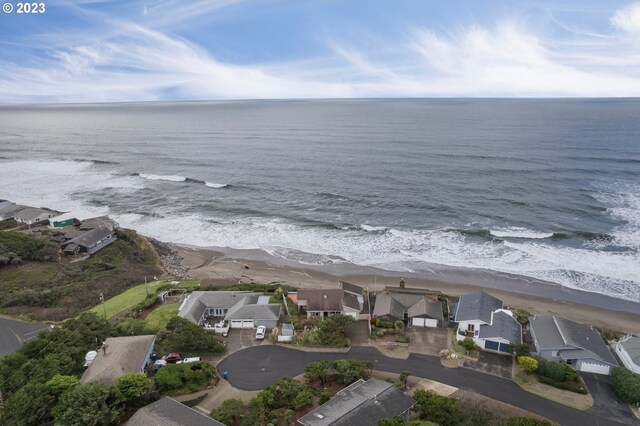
(230, 266)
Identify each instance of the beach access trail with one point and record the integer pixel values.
(257, 367)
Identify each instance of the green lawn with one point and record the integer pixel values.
(135, 295)
(158, 319)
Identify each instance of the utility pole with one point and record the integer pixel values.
(104, 307)
(145, 286)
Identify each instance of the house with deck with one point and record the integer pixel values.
(242, 309)
(323, 303)
(559, 339)
(89, 242)
(413, 309)
(119, 356)
(33, 215)
(481, 317)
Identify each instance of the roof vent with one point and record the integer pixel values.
(324, 296)
(318, 415)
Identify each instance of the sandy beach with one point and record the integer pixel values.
(217, 267)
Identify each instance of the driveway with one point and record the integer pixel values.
(359, 334)
(257, 367)
(242, 338)
(14, 333)
(427, 341)
(605, 401)
(491, 363)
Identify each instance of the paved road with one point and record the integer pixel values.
(13, 333)
(606, 402)
(256, 368)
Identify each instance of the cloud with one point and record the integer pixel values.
(124, 61)
(627, 20)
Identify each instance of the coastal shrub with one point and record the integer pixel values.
(552, 370)
(27, 247)
(273, 403)
(133, 385)
(324, 397)
(438, 409)
(520, 349)
(182, 335)
(469, 344)
(529, 364)
(576, 387)
(626, 384)
(402, 339)
(343, 371)
(399, 325)
(229, 412)
(89, 404)
(381, 332)
(184, 378)
(331, 332)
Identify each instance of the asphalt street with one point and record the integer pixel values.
(14, 333)
(256, 368)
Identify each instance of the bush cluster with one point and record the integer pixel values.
(343, 371)
(626, 385)
(184, 378)
(182, 335)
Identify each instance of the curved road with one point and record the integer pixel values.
(257, 367)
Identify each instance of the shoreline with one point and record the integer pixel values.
(221, 266)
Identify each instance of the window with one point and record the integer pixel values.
(471, 327)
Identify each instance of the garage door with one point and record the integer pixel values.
(490, 344)
(241, 323)
(590, 367)
(353, 314)
(424, 322)
(505, 347)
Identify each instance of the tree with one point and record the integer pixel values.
(438, 409)
(527, 421)
(626, 385)
(320, 370)
(184, 336)
(529, 364)
(469, 344)
(29, 405)
(57, 385)
(87, 405)
(133, 385)
(404, 377)
(391, 421)
(229, 412)
(190, 377)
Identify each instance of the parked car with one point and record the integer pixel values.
(157, 365)
(173, 357)
(260, 332)
(187, 360)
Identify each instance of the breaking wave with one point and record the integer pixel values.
(216, 185)
(170, 178)
(519, 233)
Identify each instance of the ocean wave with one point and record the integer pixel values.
(171, 178)
(370, 228)
(519, 233)
(216, 185)
(88, 160)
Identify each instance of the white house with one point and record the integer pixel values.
(31, 215)
(628, 349)
(480, 316)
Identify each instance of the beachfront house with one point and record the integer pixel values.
(64, 220)
(89, 242)
(481, 317)
(323, 303)
(169, 412)
(628, 349)
(559, 339)
(8, 209)
(413, 306)
(33, 215)
(242, 309)
(362, 403)
(104, 222)
(119, 356)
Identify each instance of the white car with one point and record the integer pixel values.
(188, 360)
(260, 332)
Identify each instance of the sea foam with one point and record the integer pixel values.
(171, 178)
(519, 233)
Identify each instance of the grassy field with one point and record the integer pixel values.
(158, 319)
(135, 295)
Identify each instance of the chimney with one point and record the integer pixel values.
(401, 282)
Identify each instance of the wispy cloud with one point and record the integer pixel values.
(120, 60)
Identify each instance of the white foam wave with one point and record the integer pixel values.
(519, 233)
(215, 185)
(171, 178)
(370, 228)
(624, 205)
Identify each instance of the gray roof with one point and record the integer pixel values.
(240, 305)
(351, 288)
(256, 312)
(169, 412)
(322, 299)
(477, 306)
(351, 301)
(89, 238)
(72, 233)
(30, 213)
(631, 345)
(553, 332)
(415, 305)
(97, 222)
(502, 325)
(287, 329)
(124, 355)
(360, 404)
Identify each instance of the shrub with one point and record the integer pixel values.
(520, 349)
(626, 385)
(576, 387)
(324, 397)
(552, 370)
(529, 364)
(438, 409)
(381, 332)
(402, 339)
(469, 344)
(184, 336)
(527, 421)
(133, 385)
(184, 378)
(229, 411)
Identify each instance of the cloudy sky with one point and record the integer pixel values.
(103, 51)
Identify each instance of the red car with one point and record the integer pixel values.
(173, 357)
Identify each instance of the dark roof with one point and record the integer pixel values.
(89, 238)
(387, 305)
(412, 290)
(169, 412)
(73, 233)
(631, 346)
(322, 299)
(123, 355)
(502, 325)
(360, 404)
(585, 337)
(240, 305)
(351, 288)
(477, 306)
(546, 333)
(428, 307)
(415, 305)
(97, 222)
(351, 301)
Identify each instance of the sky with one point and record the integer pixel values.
(123, 51)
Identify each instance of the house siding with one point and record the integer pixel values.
(267, 323)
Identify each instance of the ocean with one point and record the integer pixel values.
(545, 189)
